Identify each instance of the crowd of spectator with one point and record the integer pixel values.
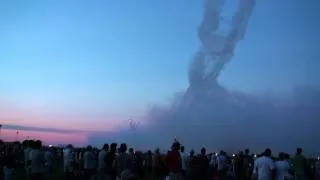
(113, 161)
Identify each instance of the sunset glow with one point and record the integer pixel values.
(12, 114)
(77, 139)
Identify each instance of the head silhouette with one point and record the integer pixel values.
(105, 147)
(123, 148)
(175, 146)
(203, 151)
(299, 151)
(182, 149)
(37, 144)
(157, 151)
(281, 156)
(113, 147)
(267, 152)
(89, 148)
(247, 151)
(192, 153)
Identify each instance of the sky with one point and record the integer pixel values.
(93, 65)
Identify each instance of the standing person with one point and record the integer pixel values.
(239, 167)
(148, 164)
(27, 150)
(49, 160)
(37, 163)
(300, 165)
(8, 164)
(264, 168)
(110, 157)
(2, 155)
(203, 165)
(102, 162)
(157, 167)
(317, 170)
(184, 162)
(123, 162)
(1, 159)
(282, 168)
(138, 165)
(247, 164)
(222, 165)
(174, 162)
(69, 159)
(132, 156)
(89, 163)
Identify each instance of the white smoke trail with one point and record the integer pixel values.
(218, 47)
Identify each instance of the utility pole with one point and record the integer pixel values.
(17, 135)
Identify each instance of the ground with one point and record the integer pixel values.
(19, 174)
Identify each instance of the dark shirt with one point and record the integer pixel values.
(300, 164)
(204, 163)
(174, 161)
(8, 161)
(148, 161)
(123, 162)
(110, 157)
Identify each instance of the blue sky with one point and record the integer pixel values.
(116, 57)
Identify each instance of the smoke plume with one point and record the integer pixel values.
(207, 114)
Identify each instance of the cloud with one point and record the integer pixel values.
(48, 136)
(236, 121)
(38, 129)
(244, 121)
(13, 114)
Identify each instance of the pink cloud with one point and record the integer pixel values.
(75, 138)
(11, 113)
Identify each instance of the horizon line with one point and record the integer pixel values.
(40, 129)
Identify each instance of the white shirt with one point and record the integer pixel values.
(37, 161)
(213, 161)
(68, 156)
(89, 160)
(68, 159)
(282, 169)
(263, 166)
(184, 160)
(102, 157)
